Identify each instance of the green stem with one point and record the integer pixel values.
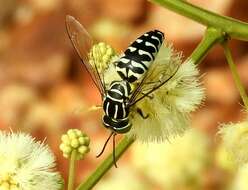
(72, 170)
(211, 37)
(234, 28)
(235, 74)
(106, 164)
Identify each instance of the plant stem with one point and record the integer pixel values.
(106, 164)
(234, 28)
(235, 74)
(210, 38)
(72, 170)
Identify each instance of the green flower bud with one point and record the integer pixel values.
(74, 143)
(65, 139)
(102, 55)
(75, 139)
(83, 149)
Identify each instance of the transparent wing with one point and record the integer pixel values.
(83, 43)
(158, 74)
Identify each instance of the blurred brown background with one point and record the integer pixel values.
(45, 90)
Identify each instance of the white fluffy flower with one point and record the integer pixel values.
(170, 107)
(26, 164)
(235, 141)
(123, 178)
(174, 164)
(224, 159)
(240, 181)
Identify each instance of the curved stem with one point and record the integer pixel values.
(210, 38)
(106, 164)
(234, 28)
(235, 74)
(72, 170)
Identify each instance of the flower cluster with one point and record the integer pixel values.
(26, 164)
(170, 107)
(102, 54)
(240, 179)
(75, 139)
(224, 159)
(118, 179)
(174, 164)
(235, 141)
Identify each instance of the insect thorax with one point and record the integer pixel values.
(139, 56)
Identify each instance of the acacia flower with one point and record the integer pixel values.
(240, 179)
(170, 107)
(75, 139)
(174, 164)
(26, 164)
(224, 160)
(118, 179)
(235, 141)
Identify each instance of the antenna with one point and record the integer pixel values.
(105, 144)
(114, 150)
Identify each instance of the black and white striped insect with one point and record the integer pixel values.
(134, 66)
(131, 66)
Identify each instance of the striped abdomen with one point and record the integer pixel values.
(139, 56)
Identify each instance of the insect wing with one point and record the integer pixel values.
(157, 75)
(83, 43)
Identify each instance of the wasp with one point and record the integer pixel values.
(135, 68)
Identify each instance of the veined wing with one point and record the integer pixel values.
(158, 74)
(83, 43)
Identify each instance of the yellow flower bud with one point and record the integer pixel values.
(74, 139)
(102, 55)
(74, 143)
(71, 134)
(65, 139)
(83, 149)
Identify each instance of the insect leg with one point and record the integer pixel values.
(94, 108)
(80, 110)
(150, 96)
(140, 112)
